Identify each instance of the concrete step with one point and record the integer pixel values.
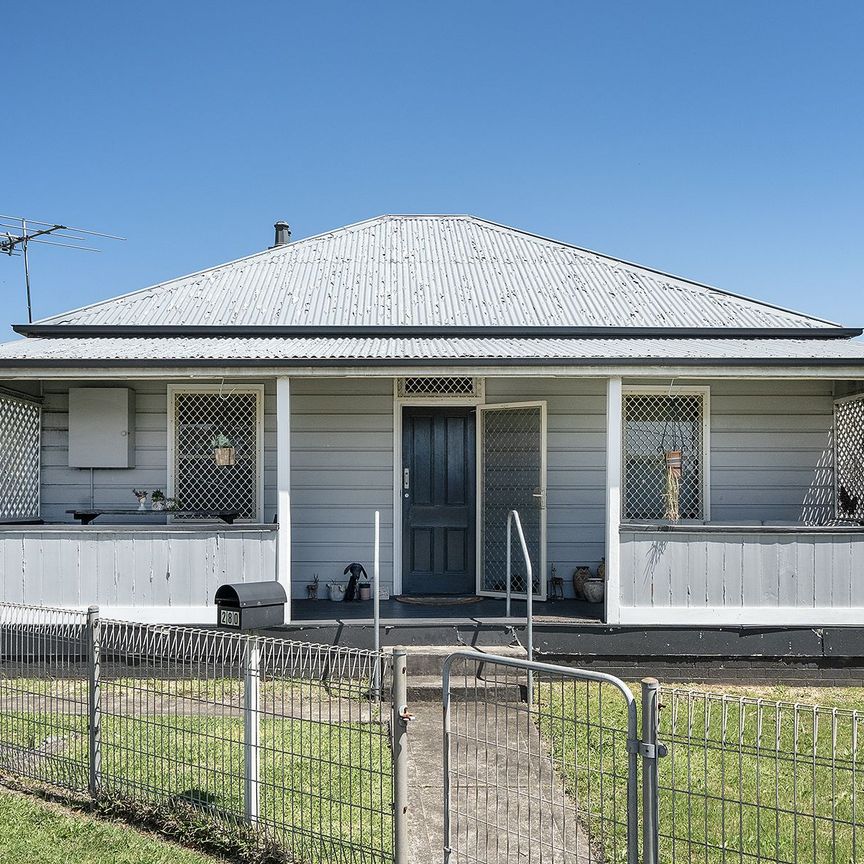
(427, 661)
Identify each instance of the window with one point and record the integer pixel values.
(215, 448)
(20, 427)
(445, 386)
(665, 454)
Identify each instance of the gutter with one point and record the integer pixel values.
(53, 331)
(424, 362)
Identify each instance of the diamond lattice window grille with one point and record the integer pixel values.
(431, 386)
(849, 458)
(653, 424)
(202, 420)
(20, 430)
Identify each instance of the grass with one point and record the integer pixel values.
(742, 778)
(33, 830)
(324, 788)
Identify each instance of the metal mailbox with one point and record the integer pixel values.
(250, 605)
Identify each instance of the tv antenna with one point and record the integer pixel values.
(27, 231)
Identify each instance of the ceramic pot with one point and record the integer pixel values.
(224, 455)
(580, 574)
(593, 590)
(365, 591)
(157, 505)
(337, 592)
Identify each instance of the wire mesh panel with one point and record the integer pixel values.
(752, 780)
(217, 450)
(44, 695)
(512, 477)
(849, 458)
(439, 385)
(307, 760)
(549, 781)
(663, 456)
(20, 430)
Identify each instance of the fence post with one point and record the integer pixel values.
(399, 725)
(94, 702)
(251, 726)
(649, 750)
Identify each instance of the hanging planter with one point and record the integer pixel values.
(672, 446)
(223, 450)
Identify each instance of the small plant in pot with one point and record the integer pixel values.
(172, 505)
(223, 450)
(157, 500)
(141, 495)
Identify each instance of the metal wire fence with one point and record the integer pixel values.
(552, 779)
(291, 738)
(751, 780)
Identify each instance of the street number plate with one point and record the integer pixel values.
(229, 617)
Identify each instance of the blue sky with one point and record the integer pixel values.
(721, 142)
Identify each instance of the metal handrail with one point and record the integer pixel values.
(513, 516)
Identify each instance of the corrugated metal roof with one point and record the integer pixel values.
(432, 271)
(185, 349)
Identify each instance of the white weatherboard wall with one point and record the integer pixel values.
(341, 473)
(65, 488)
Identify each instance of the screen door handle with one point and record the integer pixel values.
(406, 479)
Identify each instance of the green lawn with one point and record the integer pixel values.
(325, 788)
(32, 830)
(741, 779)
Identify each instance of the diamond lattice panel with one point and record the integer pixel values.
(653, 425)
(849, 458)
(512, 459)
(20, 424)
(441, 385)
(203, 421)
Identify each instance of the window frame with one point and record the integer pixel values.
(704, 391)
(227, 389)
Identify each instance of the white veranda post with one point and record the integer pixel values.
(614, 448)
(283, 484)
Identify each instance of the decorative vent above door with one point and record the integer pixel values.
(440, 386)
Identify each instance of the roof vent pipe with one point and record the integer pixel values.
(283, 233)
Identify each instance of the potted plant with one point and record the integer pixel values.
(223, 449)
(365, 590)
(157, 500)
(673, 461)
(141, 495)
(172, 504)
(337, 591)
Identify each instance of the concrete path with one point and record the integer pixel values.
(510, 803)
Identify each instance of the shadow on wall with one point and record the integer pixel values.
(818, 505)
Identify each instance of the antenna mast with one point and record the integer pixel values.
(26, 234)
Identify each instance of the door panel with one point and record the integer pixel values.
(512, 477)
(438, 507)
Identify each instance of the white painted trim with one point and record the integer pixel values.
(481, 409)
(614, 469)
(687, 390)
(762, 616)
(432, 402)
(238, 387)
(681, 373)
(283, 487)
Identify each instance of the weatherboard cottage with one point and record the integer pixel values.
(442, 370)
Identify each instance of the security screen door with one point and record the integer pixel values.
(511, 476)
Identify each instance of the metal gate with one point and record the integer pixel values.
(546, 781)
